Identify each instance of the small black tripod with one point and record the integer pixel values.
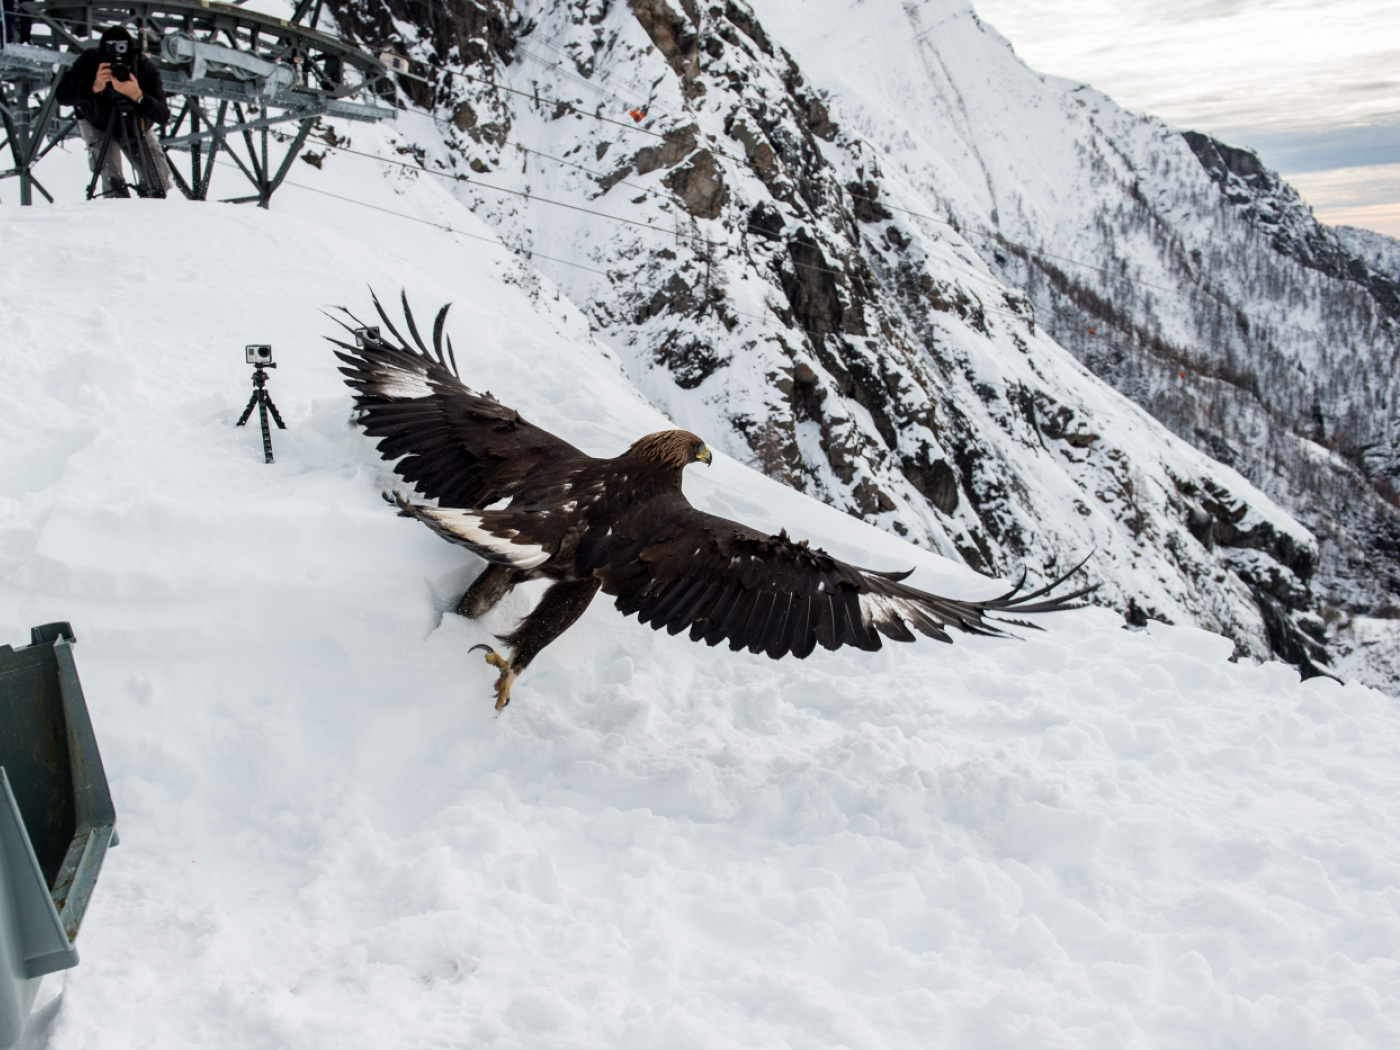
(124, 125)
(263, 400)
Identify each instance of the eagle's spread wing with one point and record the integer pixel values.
(458, 447)
(679, 568)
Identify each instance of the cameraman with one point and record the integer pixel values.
(101, 77)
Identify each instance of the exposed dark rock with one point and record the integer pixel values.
(766, 221)
(463, 115)
(864, 203)
(675, 297)
(470, 33)
(1222, 160)
(896, 239)
(1289, 643)
(757, 149)
(806, 396)
(870, 498)
(811, 288)
(748, 25)
(818, 120)
(675, 37)
(689, 360)
(935, 479)
(1226, 515)
(700, 186)
(494, 134)
(678, 144)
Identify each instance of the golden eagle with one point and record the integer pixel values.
(535, 507)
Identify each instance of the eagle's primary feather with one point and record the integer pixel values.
(534, 506)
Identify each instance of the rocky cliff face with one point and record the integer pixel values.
(1175, 267)
(789, 227)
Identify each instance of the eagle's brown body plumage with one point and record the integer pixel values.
(533, 506)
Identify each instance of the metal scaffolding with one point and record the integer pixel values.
(230, 75)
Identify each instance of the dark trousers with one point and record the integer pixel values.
(112, 176)
(14, 27)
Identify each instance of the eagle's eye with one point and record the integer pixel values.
(703, 454)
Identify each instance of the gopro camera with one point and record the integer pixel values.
(368, 334)
(259, 355)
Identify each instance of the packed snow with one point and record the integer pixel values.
(1091, 837)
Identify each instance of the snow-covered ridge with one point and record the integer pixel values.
(1091, 837)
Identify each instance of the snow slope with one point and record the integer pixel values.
(1093, 837)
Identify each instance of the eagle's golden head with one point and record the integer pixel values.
(673, 448)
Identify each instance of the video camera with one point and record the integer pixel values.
(259, 355)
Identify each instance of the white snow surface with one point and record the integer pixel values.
(1091, 837)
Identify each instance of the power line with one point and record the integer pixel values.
(765, 319)
(1200, 296)
(695, 239)
(498, 242)
(530, 254)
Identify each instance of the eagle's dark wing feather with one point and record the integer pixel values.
(679, 568)
(459, 447)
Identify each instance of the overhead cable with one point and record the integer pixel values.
(1199, 296)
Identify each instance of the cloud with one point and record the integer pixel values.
(1210, 64)
(1382, 218)
(1311, 86)
(1368, 197)
(1321, 150)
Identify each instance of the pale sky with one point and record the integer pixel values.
(1313, 87)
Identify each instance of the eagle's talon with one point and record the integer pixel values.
(503, 685)
(504, 680)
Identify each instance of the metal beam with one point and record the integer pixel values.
(287, 70)
(242, 126)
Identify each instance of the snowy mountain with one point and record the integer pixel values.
(1376, 250)
(1174, 266)
(1090, 837)
(830, 245)
(760, 213)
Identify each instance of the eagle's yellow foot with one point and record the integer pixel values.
(503, 684)
(506, 677)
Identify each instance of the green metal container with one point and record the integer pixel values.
(56, 817)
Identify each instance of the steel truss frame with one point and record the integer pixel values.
(230, 75)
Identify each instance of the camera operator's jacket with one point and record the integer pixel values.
(76, 91)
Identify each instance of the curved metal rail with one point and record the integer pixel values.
(230, 74)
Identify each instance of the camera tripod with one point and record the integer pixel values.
(263, 400)
(125, 126)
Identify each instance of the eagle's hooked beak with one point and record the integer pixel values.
(703, 455)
